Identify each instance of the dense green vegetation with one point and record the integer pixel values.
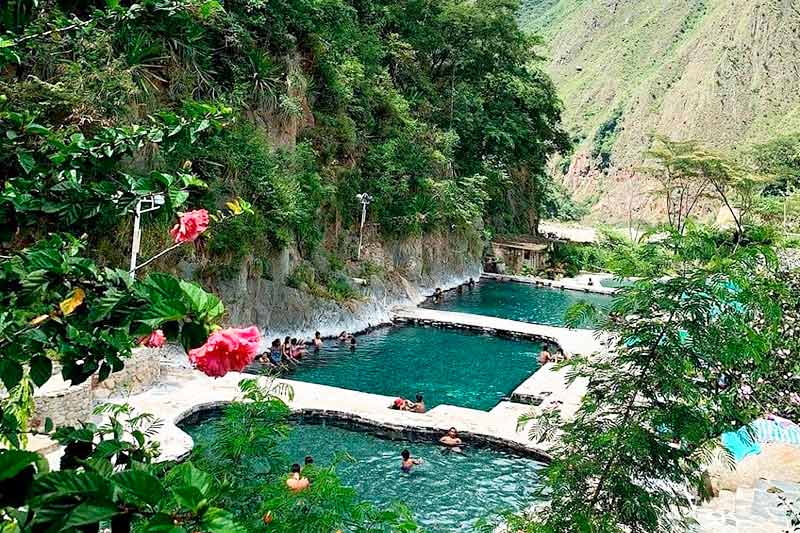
(692, 356)
(323, 100)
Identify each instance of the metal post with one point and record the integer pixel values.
(154, 202)
(361, 231)
(365, 199)
(137, 236)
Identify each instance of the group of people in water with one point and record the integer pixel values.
(451, 442)
(438, 294)
(290, 351)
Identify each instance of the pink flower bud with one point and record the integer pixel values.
(155, 340)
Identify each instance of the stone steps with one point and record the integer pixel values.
(749, 509)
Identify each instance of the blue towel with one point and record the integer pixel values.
(740, 444)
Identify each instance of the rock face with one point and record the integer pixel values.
(409, 270)
(725, 72)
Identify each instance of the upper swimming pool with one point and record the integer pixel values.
(517, 301)
(447, 366)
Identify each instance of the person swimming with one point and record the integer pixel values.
(276, 353)
(317, 341)
(471, 283)
(286, 348)
(408, 462)
(296, 482)
(452, 440)
(353, 344)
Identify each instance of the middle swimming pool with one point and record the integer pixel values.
(446, 366)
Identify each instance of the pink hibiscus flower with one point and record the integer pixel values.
(225, 351)
(190, 225)
(155, 340)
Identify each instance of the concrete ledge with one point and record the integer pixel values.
(571, 341)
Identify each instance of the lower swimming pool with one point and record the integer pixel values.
(447, 366)
(448, 492)
(517, 301)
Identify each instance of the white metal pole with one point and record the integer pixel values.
(361, 231)
(137, 236)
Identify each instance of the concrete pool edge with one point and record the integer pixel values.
(183, 393)
(357, 423)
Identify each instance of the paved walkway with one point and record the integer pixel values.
(184, 392)
(572, 341)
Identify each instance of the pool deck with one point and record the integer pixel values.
(182, 393)
(578, 283)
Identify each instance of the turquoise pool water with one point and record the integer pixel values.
(447, 493)
(517, 301)
(446, 366)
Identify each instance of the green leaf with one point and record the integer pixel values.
(26, 161)
(142, 485)
(193, 335)
(90, 513)
(189, 497)
(12, 462)
(48, 425)
(162, 523)
(10, 373)
(220, 521)
(177, 197)
(41, 370)
(161, 311)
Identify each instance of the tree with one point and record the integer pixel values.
(684, 357)
(675, 165)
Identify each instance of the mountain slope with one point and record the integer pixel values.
(726, 72)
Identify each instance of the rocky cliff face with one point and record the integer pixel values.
(409, 270)
(726, 72)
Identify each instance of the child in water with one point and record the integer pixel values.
(408, 461)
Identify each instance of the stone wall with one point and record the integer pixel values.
(141, 371)
(409, 270)
(64, 404)
(67, 405)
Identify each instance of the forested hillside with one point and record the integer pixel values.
(294, 106)
(723, 72)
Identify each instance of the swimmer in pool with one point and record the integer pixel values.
(452, 441)
(296, 482)
(408, 461)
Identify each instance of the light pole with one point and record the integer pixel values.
(365, 199)
(144, 205)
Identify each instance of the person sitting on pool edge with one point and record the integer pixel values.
(400, 404)
(438, 295)
(544, 355)
(419, 405)
(296, 482)
(408, 462)
(451, 439)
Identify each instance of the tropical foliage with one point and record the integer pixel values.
(689, 357)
